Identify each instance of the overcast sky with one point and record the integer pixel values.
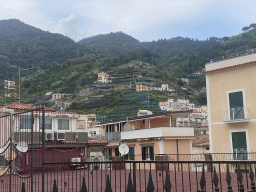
(145, 20)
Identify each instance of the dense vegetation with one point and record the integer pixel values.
(61, 65)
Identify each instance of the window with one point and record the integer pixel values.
(48, 124)
(147, 153)
(25, 123)
(239, 145)
(143, 121)
(131, 154)
(80, 124)
(108, 153)
(236, 105)
(117, 152)
(63, 124)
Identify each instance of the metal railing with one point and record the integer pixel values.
(238, 155)
(239, 54)
(108, 136)
(141, 176)
(235, 114)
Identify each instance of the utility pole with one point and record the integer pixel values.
(21, 69)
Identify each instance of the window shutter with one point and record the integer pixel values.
(239, 140)
(143, 152)
(236, 99)
(151, 149)
(110, 152)
(116, 152)
(131, 153)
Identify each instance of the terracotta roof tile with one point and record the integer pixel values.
(22, 106)
(251, 62)
(90, 141)
(201, 141)
(97, 141)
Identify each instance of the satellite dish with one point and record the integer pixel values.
(123, 149)
(1, 150)
(22, 147)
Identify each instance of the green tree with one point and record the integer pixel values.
(117, 98)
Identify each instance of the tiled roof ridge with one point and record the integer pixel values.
(23, 106)
(98, 141)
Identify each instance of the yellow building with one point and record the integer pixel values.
(103, 77)
(232, 106)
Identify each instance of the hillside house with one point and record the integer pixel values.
(63, 105)
(103, 77)
(141, 88)
(57, 96)
(231, 105)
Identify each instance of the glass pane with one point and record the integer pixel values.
(48, 124)
(25, 123)
(63, 124)
(236, 105)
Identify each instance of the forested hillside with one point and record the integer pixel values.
(62, 65)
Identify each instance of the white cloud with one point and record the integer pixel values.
(143, 19)
(70, 27)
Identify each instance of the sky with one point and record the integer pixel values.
(145, 20)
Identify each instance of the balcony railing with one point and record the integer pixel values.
(235, 114)
(112, 136)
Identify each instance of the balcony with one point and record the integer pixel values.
(112, 136)
(158, 132)
(233, 115)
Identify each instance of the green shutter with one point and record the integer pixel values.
(239, 140)
(236, 99)
(131, 153)
(143, 153)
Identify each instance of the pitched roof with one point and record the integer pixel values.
(22, 107)
(201, 141)
(233, 66)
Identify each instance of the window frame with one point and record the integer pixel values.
(148, 157)
(41, 124)
(64, 129)
(26, 124)
(247, 139)
(244, 102)
(129, 156)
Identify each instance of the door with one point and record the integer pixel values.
(236, 105)
(239, 145)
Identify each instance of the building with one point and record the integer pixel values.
(66, 138)
(141, 88)
(103, 77)
(57, 96)
(166, 105)
(148, 137)
(231, 105)
(63, 105)
(165, 87)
